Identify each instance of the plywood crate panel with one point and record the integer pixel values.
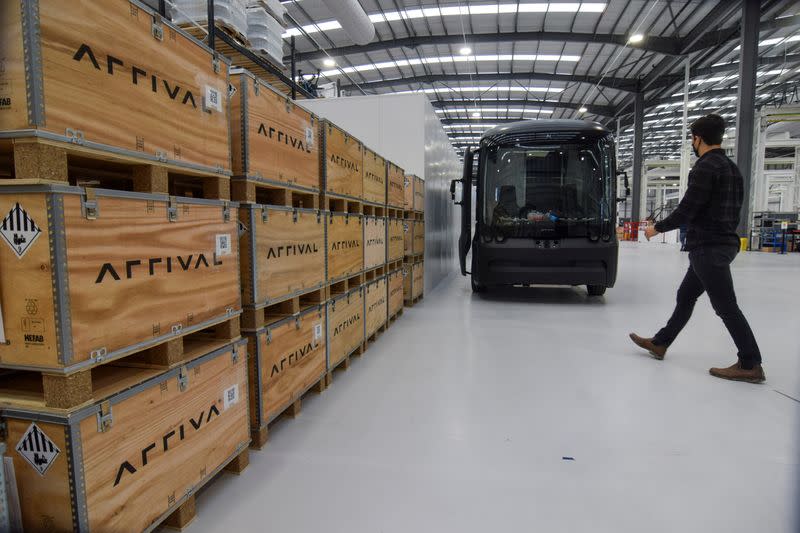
(419, 194)
(408, 236)
(283, 252)
(396, 236)
(342, 161)
(114, 76)
(395, 186)
(395, 290)
(89, 275)
(417, 279)
(286, 359)
(418, 246)
(274, 140)
(127, 461)
(374, 242)
(345, 236)
(408, 192)
(345, 325)
(374, 177)
(376, 304)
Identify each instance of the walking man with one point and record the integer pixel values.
(710, 209)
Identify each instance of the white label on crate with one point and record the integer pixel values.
(230, 397)
(317, 331)
(37, 448)
(213, 100)
(309, 138)
(19, 230)
(223, 244)
(785, 225)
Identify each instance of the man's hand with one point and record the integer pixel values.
(650, 231)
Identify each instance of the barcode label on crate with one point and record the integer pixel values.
(37, 448)
(230, 397)
(213, 99)
(223, 244)
(317, 331)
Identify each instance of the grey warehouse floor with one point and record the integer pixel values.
(458, 419)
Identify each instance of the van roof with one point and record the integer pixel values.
(523, 127)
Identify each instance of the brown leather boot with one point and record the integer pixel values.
(735, 372)
(655, 350)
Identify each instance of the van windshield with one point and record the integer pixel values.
(548, 190)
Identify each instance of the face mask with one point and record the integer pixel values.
(695, 150)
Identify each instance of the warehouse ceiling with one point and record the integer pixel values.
(485, 62)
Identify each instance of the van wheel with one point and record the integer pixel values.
(596, 290)
(477, 287)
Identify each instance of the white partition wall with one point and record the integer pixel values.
(405, 129)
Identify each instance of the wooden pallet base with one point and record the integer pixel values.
(253, 191)
(200, 31)
(374, 210)
(346, 284)
(414, 215)
(259, 437)
(255, 318)
(338, 204)
(393, 318)
(413, 302)
(31, 158)
(391, 266)
(66, 391)
(342, 365)
(394, 212)
(374, 273)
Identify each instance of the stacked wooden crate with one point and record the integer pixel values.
(124, 381)
(414, 239)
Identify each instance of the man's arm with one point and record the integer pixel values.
(698, 193)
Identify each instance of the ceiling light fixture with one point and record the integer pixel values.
(476, 114)
(636, 38)
(328, 62)
(582, 110)
(465, 51)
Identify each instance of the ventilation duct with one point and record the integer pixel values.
(353, 19)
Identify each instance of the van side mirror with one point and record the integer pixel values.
(453, 191)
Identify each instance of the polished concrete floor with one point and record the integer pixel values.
(462, 416)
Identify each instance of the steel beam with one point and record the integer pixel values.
(638, 123)
(603, 110)
(746, 101)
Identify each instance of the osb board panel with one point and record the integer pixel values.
(396, 186)
(290, 254)
(13, 102)
(418, 281)
(377, 305)
(396, 238)
(345, 326)
(374, 242)
(126, 88)
(291, 362)
(408, 192)
(344, 162)
(408, 236)
(345, 246)
(395, 282)
(169, 272)
(183, 435)
(26, 287)
(374, 177)
(281, 137)
(44, 499)
(419, 237)
(419, 194)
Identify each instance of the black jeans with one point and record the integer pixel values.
(710, 271)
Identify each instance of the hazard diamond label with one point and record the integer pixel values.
(38, 449)
(19, 230)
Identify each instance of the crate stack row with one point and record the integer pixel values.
(414, 240)
(175, 274)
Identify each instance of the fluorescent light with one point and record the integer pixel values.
(582, 110)
(636, 38)
(328, 62)
(465, 51)
(475, 114)
(485, 89)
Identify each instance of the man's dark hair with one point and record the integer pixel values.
(710, 128)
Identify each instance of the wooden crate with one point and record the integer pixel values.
(283, 252)
(408, 192)
(418, 246)
(374, 177)
(91, 275)
(396, 238)
(394, 282)
(376, 303)
(128, 461)
(417, 279)
(408, 236)
(345, 321)
(274, 140)
(395, 186)
(113, 77)
(419, 194)
(342, 162)
(287, 358)
(374, 242)
(344, 236)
